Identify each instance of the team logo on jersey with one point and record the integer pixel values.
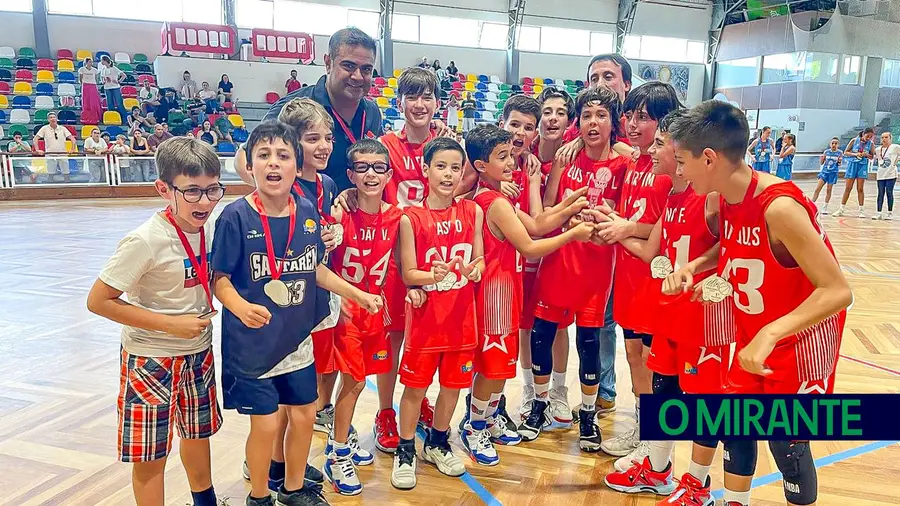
(689, 369)
(305, 262)
(706, 357)
(380, 355)
(255, 234)
(309, 225)
(467, 367)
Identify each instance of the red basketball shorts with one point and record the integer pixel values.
(700, 369)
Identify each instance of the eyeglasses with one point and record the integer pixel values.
(193, 195)
(363, 167)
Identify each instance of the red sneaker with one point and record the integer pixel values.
(690, 492)
(641, 477)
(426, 416)
(387, 437)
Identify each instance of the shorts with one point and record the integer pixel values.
(529, 295)
(157, 393)
(700, 369)
(361, 351)
(590, 314)
(647, 339)
(254, 396)
(762, 166)
(468, 124)
(395, 299)
(496, 356)
(857, 170)
(739, 381)
(828, 177)
(323, 351)
(417, 369)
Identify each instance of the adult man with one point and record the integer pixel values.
(468, 108)
(159, 135)
(149, 97)
(55, 136)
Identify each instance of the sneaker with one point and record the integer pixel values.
(403, 476)
(324, 420)
(605, 407)
(839, 212)
(361, 457)
(265, 501)
(825, 209)
(477, 440)
(889, 216)
(623, 444)
(690, 492)
(876, 216)
(641, 478)
(386, 434)
(341, 472)
(312, 476)
(536, 420)
(862, 214)
(426, 415)
(589, 438)
(527, 400)
(498, 427)
(501, 415)
(623, 463)
(306, 496)
(559, 405)
(442, 457)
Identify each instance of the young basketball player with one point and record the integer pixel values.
(270, 297)
(789, 293)
(859, 151)
(830, 160)
(441, 251)
(573, 283)
(761, 151)
(507, 237)
(785, 167)
(164, 265)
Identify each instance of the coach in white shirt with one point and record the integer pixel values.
(55, 136)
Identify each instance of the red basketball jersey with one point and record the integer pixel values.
(447, 319)
(643, 198)
(580, 268)
(500, 294)
(407, 187)
(686, 236)
(765, 290)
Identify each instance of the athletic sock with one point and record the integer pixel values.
(276, 470)
(698, 471)
(558, 379)
(742, 498)
(661, 454)
(541, 391)
(637, 408)
(204, 498)
(589, 401)
(527, 376)
(437, 437)
(340, 446)
(493, 404)
(478, 409)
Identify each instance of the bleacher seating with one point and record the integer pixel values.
(64, 54)
(67, 117)
(122, 58)
(25, 63)
(21, 102)
(44, 102)
(272, 97)
(45, 76)
(112, 118)
(7, 52)
(66, 77)
(22, 88)
(45, 89)
(19, 117)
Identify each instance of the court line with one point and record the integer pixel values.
(863, 272)
(871, 364)
(466, 478)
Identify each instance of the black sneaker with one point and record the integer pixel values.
(501, 411)
(306, 496)
(589, 439)
(312, 476)
(535, 421)
(264, 501)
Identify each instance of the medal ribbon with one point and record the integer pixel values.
(320, 199)
(274, 268)
(202, 268)
(349, 133)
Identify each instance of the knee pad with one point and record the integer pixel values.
(795, 461)
(542, 335)
(587, 342)
(666, 385)
(740, 457)
(712, 443)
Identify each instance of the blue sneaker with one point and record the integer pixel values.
(501, 434)
(477, 440)
(360, 456)
(340, 471)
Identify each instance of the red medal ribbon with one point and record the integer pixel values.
(349, 133)
(274, 268)
(320, 199)
(201, 268)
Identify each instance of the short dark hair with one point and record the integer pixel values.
(442, 144)
(523, 104)
(765, 128)
(416, 81)
(658, 98)
(350, 36)
(605, 97)
(270, 130)
(666, 122)
(616, 58)
(367, 146)
(481, 141)
(551, 92)
(184, 156)
(716, 125)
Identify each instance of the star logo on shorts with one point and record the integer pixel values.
(704, 357)
(498, 342)
(813, 387)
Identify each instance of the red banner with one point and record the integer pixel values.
(278, 44)
(199, 38)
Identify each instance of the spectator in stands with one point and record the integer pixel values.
(452, 70)
(225, 87)
(439, 71)
(166, 103)
(95, 146)
(149, 97)
(210, 98)
(91, 110)
(159, 134)
(207, 135)
(424, 63)
(187, 88)
(469, 105)
(105, 137)
(137, 121)
(223, 130)
(292, 84)
(55, 136)
(453, 113)
(21, 168)
(139, 147)
(119, 149)
(112, 78)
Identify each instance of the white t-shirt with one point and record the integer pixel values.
(151, 266)
(208, 94)
(150, 95)
(88, 76)
(886, 161)
(90, 145)
(110, 77)
(54, 140)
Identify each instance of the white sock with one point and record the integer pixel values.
(699, 472)
(478, 409)
(493, 404)
(637, 409)
(527, 377)
(541, 391)
(558, 379)
(742, 498)
(661, 454)
(589, 401)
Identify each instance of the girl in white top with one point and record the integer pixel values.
(452, 115)
(886, 156)
(90, 95)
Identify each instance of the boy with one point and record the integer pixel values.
(441, 251)
(507, 237)
(830, 160)
(573, 283)
(166, 356)
(789, 292)
(270, 298)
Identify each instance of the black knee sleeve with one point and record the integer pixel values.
(740, 457)
(587, 342)
(795, 461)
(712, 443)
(667, 385)
(542, 335)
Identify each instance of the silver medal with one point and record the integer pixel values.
(278, 292)
(447, 283)
(338, 231)
(660, 267)
(716, 289)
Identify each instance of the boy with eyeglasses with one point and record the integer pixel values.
(167, 373)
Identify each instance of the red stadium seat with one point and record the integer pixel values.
(46, 64)
(527, 81)
(64, 54)
(24, 75)
(4, 88)
(129, 92)
(146, 77)
(380, 82)
(272, 97)
(457, 85)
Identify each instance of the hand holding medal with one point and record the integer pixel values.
(716, 289)
(444, 277)
(661, 267)
(276, 289)
(191, 326)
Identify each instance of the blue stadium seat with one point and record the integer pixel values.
(44, 89)
(113, 131)
(548, 81)
(477, 115)
(5, 75)
(67, 117)
(479, 106)
(101, 54)
(66, 77)
(226, 148)
(481, 87)
(143, 68)
(484, 79)
(2, 117)
(391, 113)
(579, 83)
(479, 95)
(240, 135)
(25, 63)
(21, 102)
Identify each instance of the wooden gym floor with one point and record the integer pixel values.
(59, 373)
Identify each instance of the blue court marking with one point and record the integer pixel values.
(467, 478)
(820, 462)
(862, 272)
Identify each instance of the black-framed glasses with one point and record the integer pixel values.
(363, 167)
(193, 195)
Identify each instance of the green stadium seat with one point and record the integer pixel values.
(27, 52)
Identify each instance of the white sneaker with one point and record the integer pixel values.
(559, 405)
(876, 216)
(825, 209)
(623, 444)
(889, 216)
(642, 451)
(839, 212)
(403, 476)
(477, 440)
(862, 213)
(527, 399)
(341, 472)
(500, 431)
(446, 462)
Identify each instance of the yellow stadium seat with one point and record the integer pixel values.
(470, 86)
(392, 82)
(236, 120)
(472, 78)
(21, 88)
(81, 54)
(65, 65)
(459, 114)
(382, 102)
(45, 76)
(388, 92)
(538, 88)
(86, 131)
(112, 118)
(129, 103)
(69, 148)
(4, 102)
(397, 72)
(538, 81)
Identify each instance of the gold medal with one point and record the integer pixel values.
(278, 292)
(446, 284)
(716, 289)
(660, 267)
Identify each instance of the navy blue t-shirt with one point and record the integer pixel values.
(239, 250)
(329, 192)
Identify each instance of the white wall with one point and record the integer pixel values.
(468, 60)
(598, 15)
(82, 32)
(18, 30)
(820, 125)
(671, 21)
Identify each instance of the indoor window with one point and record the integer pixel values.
(366, 21)
(405, 27)
(529, 39)
(851, 69)
(602, 43)
(736, 73)
(253, 13)
(821, 67)
(493, 36)
(309, 18)
(15, 5)
(565, 41)
(448, 31)
(780, 68)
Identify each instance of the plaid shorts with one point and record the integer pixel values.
(156, 393)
